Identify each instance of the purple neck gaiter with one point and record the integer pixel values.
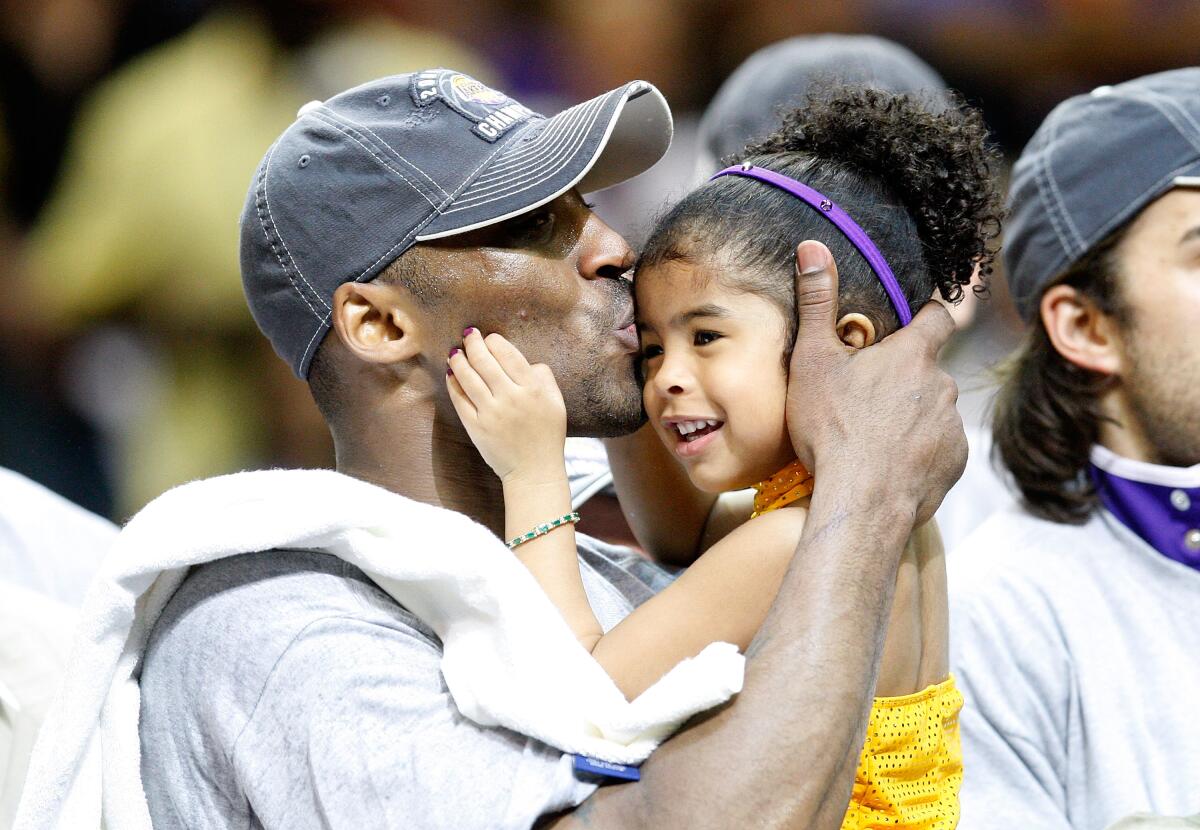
(1159, 504)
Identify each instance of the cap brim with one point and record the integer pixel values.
(591, 146)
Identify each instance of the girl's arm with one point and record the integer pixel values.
(935, 604)
(514, 414)
(723, 597)
(726, 594)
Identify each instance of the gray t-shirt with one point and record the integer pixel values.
(285, 689)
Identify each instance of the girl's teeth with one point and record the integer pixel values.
(688, 427)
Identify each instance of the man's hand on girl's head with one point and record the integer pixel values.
(884, 415)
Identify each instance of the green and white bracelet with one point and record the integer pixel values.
(542, 529)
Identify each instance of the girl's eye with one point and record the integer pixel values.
(650, 351)
(703, 338)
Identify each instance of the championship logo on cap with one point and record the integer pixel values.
(492, 112)
(469, 89)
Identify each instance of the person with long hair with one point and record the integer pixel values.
(1074, 611)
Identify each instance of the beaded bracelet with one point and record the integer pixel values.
(543, 529)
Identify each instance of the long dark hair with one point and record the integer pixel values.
(1047, 414)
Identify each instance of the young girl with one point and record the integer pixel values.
(905, 200)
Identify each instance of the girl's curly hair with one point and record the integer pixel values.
(918, 179)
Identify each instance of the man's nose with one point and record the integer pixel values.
(604, 253)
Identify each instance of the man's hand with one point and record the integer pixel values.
(885, 414)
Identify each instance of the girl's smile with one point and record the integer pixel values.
(694, 433)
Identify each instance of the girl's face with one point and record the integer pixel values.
(715, 384)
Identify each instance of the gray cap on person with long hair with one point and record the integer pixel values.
(1095, 162)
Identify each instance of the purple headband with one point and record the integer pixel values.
(857, 236)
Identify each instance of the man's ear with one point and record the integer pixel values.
(856, 330)
(1080, 331)
(376, 322)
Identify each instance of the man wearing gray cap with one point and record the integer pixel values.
(286, 689)
(1074, 614)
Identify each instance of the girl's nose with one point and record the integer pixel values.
(673, 377)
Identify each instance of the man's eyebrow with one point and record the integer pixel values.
(1190, 234)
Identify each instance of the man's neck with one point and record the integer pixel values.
(1121, 431)
(421, 454)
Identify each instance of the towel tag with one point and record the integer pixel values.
(585, 766)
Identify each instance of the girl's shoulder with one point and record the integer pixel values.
(780, 527)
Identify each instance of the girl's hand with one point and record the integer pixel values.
(512, 410)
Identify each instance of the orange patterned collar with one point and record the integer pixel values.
(790, 484)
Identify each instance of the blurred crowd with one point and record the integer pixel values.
(129, 361)
(128, 130)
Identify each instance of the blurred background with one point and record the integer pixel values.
(129, 130)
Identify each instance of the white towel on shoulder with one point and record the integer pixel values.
(509, 658)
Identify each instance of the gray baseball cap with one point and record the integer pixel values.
(1095, 162)
(748, 105)
(357, 180)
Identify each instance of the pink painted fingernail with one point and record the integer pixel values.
(449, 372)
(467, 331)
(453, 352)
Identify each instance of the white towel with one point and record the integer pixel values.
(509, 658)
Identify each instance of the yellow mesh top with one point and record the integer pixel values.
(910, 769)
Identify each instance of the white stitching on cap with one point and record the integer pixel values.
(1041, 172)
(393, 151)
(275, 225)
(322, 326)
(428, 219)
(1066, 216)
(549, 138)
(375, 155)
(512, 160)
(1051, 207)
(517, 152)
(1170, 110)
(509, 189)
(553, 158)
(572, 135)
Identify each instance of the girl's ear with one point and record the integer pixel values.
(856, 330)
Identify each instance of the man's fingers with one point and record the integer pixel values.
(816, 297)
(934, 325)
